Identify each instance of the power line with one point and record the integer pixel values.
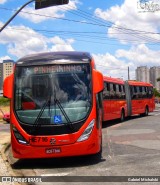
(135, 33)
(89, 35)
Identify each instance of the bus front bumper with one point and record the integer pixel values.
(77, 149)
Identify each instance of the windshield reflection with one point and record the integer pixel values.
(69, 85)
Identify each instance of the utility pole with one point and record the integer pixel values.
(38, 5)
(15, 15)
(128, 74)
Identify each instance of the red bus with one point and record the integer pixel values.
(55, 108)
(140, 98)
(126, 98)
(114, 99)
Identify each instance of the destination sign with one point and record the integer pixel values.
(58, 69)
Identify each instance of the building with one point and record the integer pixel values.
(143, 74)
(150, 75)
(154, 74)
(1, 75)
(6, 68)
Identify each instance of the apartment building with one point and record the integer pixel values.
(6, 68)
(145, 74)
(154, 74)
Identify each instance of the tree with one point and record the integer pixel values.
(156, 93)
(158, 79)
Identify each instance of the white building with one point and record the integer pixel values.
(143, 74)
(154, 74)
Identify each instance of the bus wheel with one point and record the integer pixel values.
(146, 112)
(122, 116)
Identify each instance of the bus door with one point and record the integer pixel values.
(136, 100)
(142, 102)
(113, 101)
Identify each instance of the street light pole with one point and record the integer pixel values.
(15, 15)
(128, 74)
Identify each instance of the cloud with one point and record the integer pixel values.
(4, 58)
(128, 16)
(61, 45)
(19, 43)
(112, 66)
(117, 65)
(140, 55)
(37, 16)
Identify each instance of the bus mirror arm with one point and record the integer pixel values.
(7, 86)
(98, 85)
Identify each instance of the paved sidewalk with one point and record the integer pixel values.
(5, 169)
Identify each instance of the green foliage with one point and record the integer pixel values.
(156, 93)
(158, 79)
(4, 101)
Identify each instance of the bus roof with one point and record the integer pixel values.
(134, 82)
(114, 80)
(50, 56)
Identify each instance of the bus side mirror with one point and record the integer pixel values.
(7, 86)
(98, 84)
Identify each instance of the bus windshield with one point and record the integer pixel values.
(52, 94)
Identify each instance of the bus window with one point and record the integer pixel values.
(118, 91)
(134, 92)
(106, 94)
(112, 90)
(140, 92)
(123, 92)
(150, 92)
(144, 92)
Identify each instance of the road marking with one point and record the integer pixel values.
(55, 174)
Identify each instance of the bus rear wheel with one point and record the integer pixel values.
(122, 118)
(146, 112)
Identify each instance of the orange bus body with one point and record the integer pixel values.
(58, 130)
(140, 98)
(114, 102)
(126, 98)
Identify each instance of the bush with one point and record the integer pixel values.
(4, 101)
(156, 93)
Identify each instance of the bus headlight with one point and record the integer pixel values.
(18, 136)
(87, 132)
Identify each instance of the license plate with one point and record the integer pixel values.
(53, 150)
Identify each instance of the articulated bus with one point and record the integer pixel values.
(55, 107)
(126, 98)
(140, 98)
(114, 99)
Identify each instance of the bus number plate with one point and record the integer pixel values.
(53, 150)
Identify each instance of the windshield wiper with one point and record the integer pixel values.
(64, 113)
(36, 123)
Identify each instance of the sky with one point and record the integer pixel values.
(118, 33)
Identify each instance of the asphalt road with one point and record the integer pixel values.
(131, 148)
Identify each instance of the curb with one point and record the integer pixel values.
(9, 168)
(3, 151)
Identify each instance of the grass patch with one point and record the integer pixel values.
(4, 101)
